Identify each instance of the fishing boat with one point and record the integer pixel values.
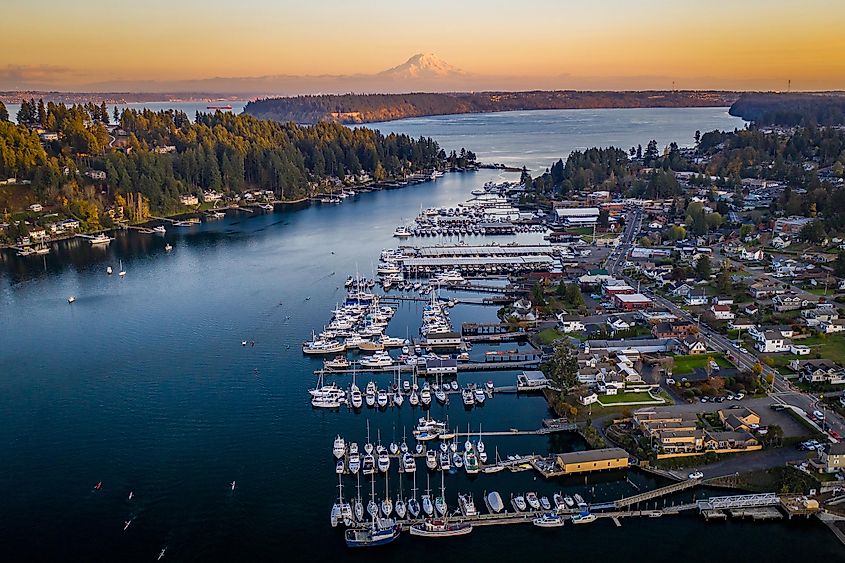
(381, 532)
(518, 503)
(466, 505)
(440, 529)
(583, 518)
(532, 500)
(494, 503)
(548, 520)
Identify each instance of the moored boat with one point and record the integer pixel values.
(440, 529)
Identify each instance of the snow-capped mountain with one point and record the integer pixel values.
(423, 65)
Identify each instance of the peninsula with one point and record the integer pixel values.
(369, 108)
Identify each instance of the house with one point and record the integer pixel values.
(765, 289)
(632, 302)
(189, 199)
(588, 399)
(832, 326)
(570, 323)
(211, 195)
(820, 313)
(799, 349)
(751, 309)
(832, 457)
(96, 174)
(692, 344)
(722, 312)
(531, 380)
(615, 324)
(696, 299)
(772, 341)
(729, 441)
(682, 290)
(780, 242)
(739, 419)
(612, 289)
(36, 208)
(592, 460)
(787, 302)
(523, 309)
(719, 300)
(676, 329)
(818, 371)
(740, 323)
(166, 149)
(751, 255)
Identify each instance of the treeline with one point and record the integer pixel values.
(368, 108)
(162, 155)
(791, 109)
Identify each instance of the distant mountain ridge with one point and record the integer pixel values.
(368, 108)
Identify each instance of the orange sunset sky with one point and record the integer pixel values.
(601, 44)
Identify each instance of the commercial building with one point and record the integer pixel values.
(593, 460)
(632, 301)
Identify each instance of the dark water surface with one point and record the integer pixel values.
(143, 384)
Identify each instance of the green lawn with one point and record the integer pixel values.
(549, 335)
(686, 364)
(831, 291)
(627, 398)
(830, 347)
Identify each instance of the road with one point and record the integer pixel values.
(782, 390)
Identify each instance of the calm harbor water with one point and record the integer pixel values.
(143, 384)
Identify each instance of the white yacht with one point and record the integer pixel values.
(402, 232)
(339, 448)
(101, 238)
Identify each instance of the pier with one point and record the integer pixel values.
(656, 493)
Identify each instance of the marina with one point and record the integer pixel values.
(178, 425)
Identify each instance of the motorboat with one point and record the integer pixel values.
(401, 508)
(340, 469)
(356, 397)
(494, 502)
(570, 502)
(479, 396)
(471, 463)
(440, 395)
(431, 459)
(413, 507)
(468, 397)
(583, 518)
(558, 501)
(354, 463)
(339, 447)
(457, 460)
(545, 504)
(381, 532)
(518, 503)
(445, 461)
(440, 529)
(383, 461)
(548, 520)
(368, 465)
(532, 500)
(409, 464)
(100, 239)
(382, 398)
(338, 362)
(159, 229)
(466, 505)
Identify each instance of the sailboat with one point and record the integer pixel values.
(401, 507)
(359, 505)
(413, 504)
(428, 507)
(121, 272)
(479, 447)
(386, 504)
(440, 502)
(497, 466)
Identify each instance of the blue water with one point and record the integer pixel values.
(143, 384)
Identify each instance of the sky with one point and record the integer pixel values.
(600, 44)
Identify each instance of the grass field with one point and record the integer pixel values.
(627, 398)
(549, 335)
(686, 364)
(830, 347)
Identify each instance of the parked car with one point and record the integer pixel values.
(703, 399)
(834, 434)
(819, 415)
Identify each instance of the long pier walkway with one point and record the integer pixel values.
(656, 493)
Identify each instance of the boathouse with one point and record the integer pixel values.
(593, 460)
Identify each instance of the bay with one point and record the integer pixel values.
(142, 384)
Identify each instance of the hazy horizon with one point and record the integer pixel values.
(264, 47)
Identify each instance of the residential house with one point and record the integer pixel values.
(676, 329)
(740, 323)
(751, 255)
(765, 289)
(739, 419)
(570, 323)
(721, 300)
(788, 302)
(189, 199)
(772, 341)
(682, 290)
(722, 312)
(523, 309)
(818, 371)
(696, 298)
(615, 324)
(96, 174)
(832, 457)
(694, 345)
(832, 326)
(820, 313)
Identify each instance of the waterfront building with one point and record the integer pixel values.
(593, 460)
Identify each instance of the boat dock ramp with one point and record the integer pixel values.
(465, 367)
